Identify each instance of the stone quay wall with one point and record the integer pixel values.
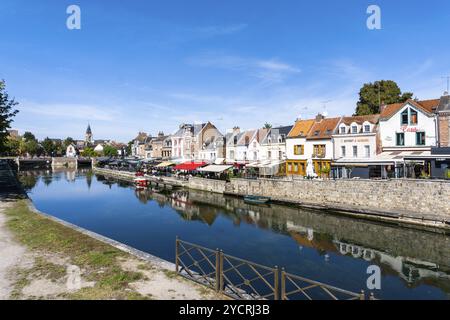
(210, 185)
(417, 199)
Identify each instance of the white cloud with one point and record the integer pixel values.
(268, 70)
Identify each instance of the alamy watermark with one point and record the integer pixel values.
(374, 20)
(73, 22)
(374, 280)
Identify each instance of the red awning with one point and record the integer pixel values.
(189, 166)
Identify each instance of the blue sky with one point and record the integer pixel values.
(151, 65)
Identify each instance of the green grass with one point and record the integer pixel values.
(98, 260)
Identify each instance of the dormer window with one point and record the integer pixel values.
(367, 128)
(342, 130)
(316, 133)
(413, 117)
(404, 117)
(354, 129)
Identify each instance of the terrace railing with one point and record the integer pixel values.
(245, 280)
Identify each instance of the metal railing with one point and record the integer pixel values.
(245, 280)
(306, 289)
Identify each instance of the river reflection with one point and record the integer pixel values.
(415, 263)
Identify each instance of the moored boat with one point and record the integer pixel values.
(256, 199)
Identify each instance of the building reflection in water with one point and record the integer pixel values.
(390, 247)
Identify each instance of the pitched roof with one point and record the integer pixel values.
(427, 106)
(301, 128)
(246, 134)
(275, 133)
(141, 137)
(323, 129)
(372, 118)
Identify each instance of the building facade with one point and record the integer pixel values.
(443, 121)
(356, 145)
(409, 126)
(296, 157)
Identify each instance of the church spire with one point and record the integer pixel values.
(88, 137)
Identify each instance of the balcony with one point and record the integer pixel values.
(319, 155)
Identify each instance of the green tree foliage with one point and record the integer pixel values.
(110, 151)
(89, 152)
(128, 149)
(32, 147)
(7, 113)
(383, 91)
(28, 136)
(12, 146)
(267, 126)
(68, 142)
(49, 147)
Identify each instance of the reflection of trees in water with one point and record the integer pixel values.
(28, 181)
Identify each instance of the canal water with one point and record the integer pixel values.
(337, 250)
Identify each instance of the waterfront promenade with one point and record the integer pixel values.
(45, 258)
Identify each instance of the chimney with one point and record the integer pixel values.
(236, 130)
(319, 117)
(383, 106)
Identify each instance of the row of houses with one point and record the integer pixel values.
(404, 139)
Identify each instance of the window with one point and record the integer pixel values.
(367, 151)
(367, 128)
(316, 133)
(255, 156)
(319, 150)
(400, 139)
(280, 155)
(413, 117)
(404, 118)
(355, 151)
(299, 150)
(420, 138)
(354, 129)
(342, 130)
(254, 144)
(343, 151)
(269, 154)
(232, 155)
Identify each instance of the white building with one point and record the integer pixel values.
(273, 145)
(408, 126)
(71, 151)
(295, 148)
(356, 146)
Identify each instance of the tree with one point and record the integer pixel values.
(28, 136)
(68, 142)
(372, 95)
(7, 113)
(267, 126)
(49, 146)
(89, 152)
(110, 151)
(32, 147)
(128, 149)
(12, 146)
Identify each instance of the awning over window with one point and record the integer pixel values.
(165, 164)
(214, 168)
(190, 166)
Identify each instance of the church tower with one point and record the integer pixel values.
(88, 137)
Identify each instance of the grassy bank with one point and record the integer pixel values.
(106, 272)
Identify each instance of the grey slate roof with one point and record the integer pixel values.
(274, 133)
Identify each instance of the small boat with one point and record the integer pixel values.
(256, 199)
